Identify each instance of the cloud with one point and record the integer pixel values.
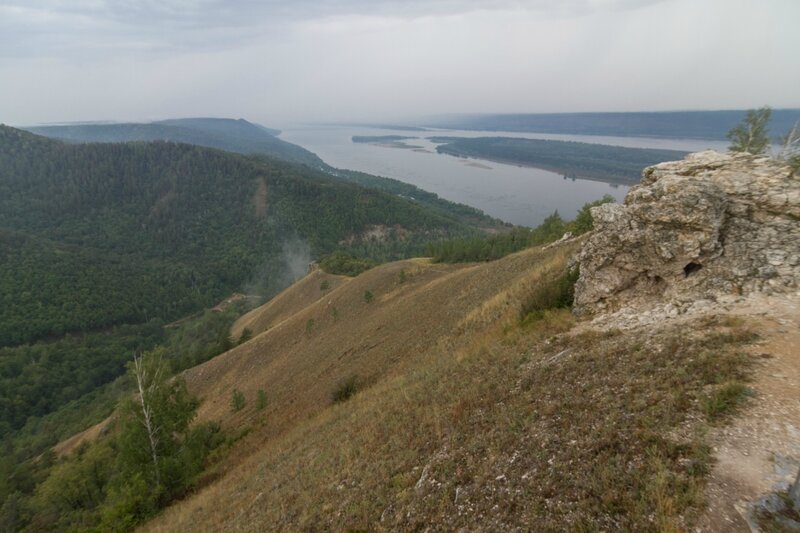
(284, 61)
(60, 28)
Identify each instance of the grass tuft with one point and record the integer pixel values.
(724, 399)
(551, 293)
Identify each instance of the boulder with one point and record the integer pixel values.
(710, 225)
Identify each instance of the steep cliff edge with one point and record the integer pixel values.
(716, 234)
(712, 226)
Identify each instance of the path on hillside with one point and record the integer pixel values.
(759, 450)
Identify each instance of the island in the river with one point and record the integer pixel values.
(599, 162)
(387, 141)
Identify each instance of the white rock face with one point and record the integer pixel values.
(708, 226)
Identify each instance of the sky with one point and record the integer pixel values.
(281, 62)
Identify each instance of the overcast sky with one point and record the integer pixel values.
(282, 61)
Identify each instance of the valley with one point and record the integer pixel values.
(105, 244)
(374, 387)
(386, 265)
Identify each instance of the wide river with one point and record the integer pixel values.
(520, 195)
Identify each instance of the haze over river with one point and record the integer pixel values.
(521, 195)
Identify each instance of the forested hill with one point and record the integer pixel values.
(235, 128)
(93, 236)
(669, 124)
(611, 164)
(238, 136)
(243, 137)
(214, 215)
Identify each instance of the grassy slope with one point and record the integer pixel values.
(300, 295)
(183, 225)
(463, 418)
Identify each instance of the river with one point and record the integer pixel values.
(520, 195)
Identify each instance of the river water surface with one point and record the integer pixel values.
(521, 195)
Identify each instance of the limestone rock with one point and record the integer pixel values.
(709, 226)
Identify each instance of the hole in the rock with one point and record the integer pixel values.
(691, 268)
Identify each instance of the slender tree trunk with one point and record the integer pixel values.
(147, 412)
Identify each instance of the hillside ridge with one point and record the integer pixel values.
(475, 400)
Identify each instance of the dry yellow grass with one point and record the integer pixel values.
(66, 447)
(306, 341)
(458, 423)
(295, 298)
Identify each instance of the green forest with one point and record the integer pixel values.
(112, 252)
(111, 484)
(107, 248)
(238, 136)
(114, 483)
(491, 247)
(611, 164)
(243, 137)
(667, 124)
(97, 240)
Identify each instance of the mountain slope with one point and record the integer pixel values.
(238, 136)
(446, 397)
(94, 236)
(243, 137)
(461, 417)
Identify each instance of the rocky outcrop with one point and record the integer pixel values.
(709, 226)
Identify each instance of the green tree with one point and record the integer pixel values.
(75, 488)
(583, 221)
(790, 151)
(237, 400)
(751, 134)
(157, 455)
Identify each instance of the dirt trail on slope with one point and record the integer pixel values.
(759, 450)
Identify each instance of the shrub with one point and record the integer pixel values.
(368, 296)
(261, 399)
(345, 389)
(552, 293)
(245, 336)
(344, 264)
(491, 247)
(325, 285)
(237, 400)
(583, 221)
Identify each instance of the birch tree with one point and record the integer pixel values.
(790, 151)
(155, 425)
(159, 452)
(751, 134)
(146, 385)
